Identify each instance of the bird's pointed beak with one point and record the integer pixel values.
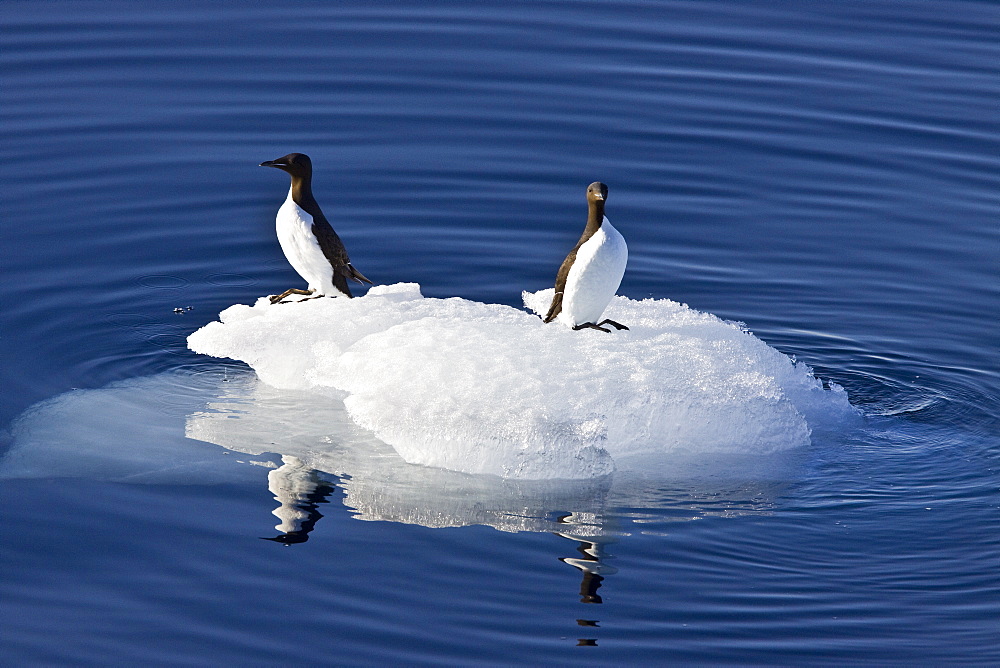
(599, 196)
(271, 163)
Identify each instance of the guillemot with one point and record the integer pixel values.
(312, 247)
(593, 270)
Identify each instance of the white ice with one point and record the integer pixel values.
(489, 389)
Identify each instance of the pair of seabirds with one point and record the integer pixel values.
(587, 280)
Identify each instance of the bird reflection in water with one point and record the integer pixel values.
(299, 490)
(590, 563)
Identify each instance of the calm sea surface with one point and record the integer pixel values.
(827, 173)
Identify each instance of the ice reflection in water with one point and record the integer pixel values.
(312, 449)
(161, 424)
(321, 445)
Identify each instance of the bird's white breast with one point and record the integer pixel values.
(294, 228)
(594, 277)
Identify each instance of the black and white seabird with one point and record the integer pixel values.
(593, 270)
(312, 247)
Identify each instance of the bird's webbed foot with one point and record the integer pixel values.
(590, 325)
(616, 325)
(276, 299)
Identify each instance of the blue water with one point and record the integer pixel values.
(827, 173)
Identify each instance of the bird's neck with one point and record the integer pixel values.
(301, 193)
(301, 190)
(595, 216)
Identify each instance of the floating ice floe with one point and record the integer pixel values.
(487, 388)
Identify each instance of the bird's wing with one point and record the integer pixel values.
(330, 244)
(333, 249)
(555, 308)
(557, 298)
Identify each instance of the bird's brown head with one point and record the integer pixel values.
(597, 192)
(296, 164)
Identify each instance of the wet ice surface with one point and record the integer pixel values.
(489, 389)
(169, 428)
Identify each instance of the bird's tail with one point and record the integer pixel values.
(356, 275)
